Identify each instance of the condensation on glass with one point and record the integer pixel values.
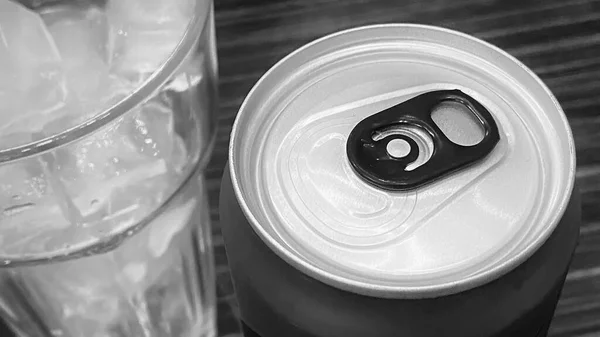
(106, 124)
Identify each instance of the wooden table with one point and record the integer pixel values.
(559, 40)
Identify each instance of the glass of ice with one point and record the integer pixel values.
(105, 128)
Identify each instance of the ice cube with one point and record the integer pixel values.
(30, 215)
(81, 36)
(151, 14)
(32, 87)
(145, 33)
(102, 290)
(167, 225)
(83, 293)
(135, 271)
(153, 132)
(105, 173)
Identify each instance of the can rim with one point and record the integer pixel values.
(385, 291)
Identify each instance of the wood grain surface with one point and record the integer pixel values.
(559, 40)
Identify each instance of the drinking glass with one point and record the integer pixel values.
(106, 125)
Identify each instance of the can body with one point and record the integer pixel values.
(278, 298)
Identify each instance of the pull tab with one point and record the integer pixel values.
(382, 156)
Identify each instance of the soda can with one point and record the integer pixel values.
(399, 180)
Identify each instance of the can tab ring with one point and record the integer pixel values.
(383, 161)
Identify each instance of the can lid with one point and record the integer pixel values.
(303, 197)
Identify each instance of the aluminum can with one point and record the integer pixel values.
(399, 180)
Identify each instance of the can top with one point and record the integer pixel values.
(302, 196)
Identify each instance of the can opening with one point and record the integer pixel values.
(458, 123)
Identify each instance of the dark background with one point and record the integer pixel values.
(559, 40)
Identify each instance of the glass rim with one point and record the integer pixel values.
(185, 45)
